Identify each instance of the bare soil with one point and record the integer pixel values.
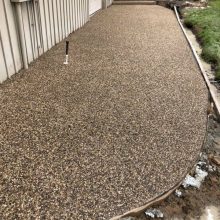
(194, 201)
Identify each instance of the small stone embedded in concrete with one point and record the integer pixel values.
(195, 181)
(178, 193)
(190, 181)
(202, 164)
(154, 213)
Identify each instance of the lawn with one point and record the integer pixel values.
(206, 25)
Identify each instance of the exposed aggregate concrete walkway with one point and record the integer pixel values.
(122, 123)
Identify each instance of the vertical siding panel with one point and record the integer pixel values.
(13, 35)
(55, 19)
(71, 16)
(47, 21)
(31, 29)
(68, 16)
(38, 27)
(80, 13)
(79, 10)
(87, 9)
(74, 18)
(86, 18)
(51, 22)
(66, 19)
(27, 33)
(43, 26)
(3, 67)
(34, 30)
(6, 42)
(63, 18)
(75, 14)
(59, 20)
(84, 11)
(78, 20)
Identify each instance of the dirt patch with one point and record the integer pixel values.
(193, 203)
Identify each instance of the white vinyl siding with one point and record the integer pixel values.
(94, 5)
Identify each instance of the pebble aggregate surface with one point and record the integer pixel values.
(119, 125)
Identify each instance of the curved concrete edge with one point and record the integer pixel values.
(162, 197)
(205, 77)
(156, 200)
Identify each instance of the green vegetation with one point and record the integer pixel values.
(206, 24)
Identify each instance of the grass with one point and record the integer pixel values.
(206, 24)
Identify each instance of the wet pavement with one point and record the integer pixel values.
(118, 126)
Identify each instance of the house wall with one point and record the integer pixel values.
(45, 23)
(108, 2)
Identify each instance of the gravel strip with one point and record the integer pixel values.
(120, 124)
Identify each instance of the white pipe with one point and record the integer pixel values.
(21, 34)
